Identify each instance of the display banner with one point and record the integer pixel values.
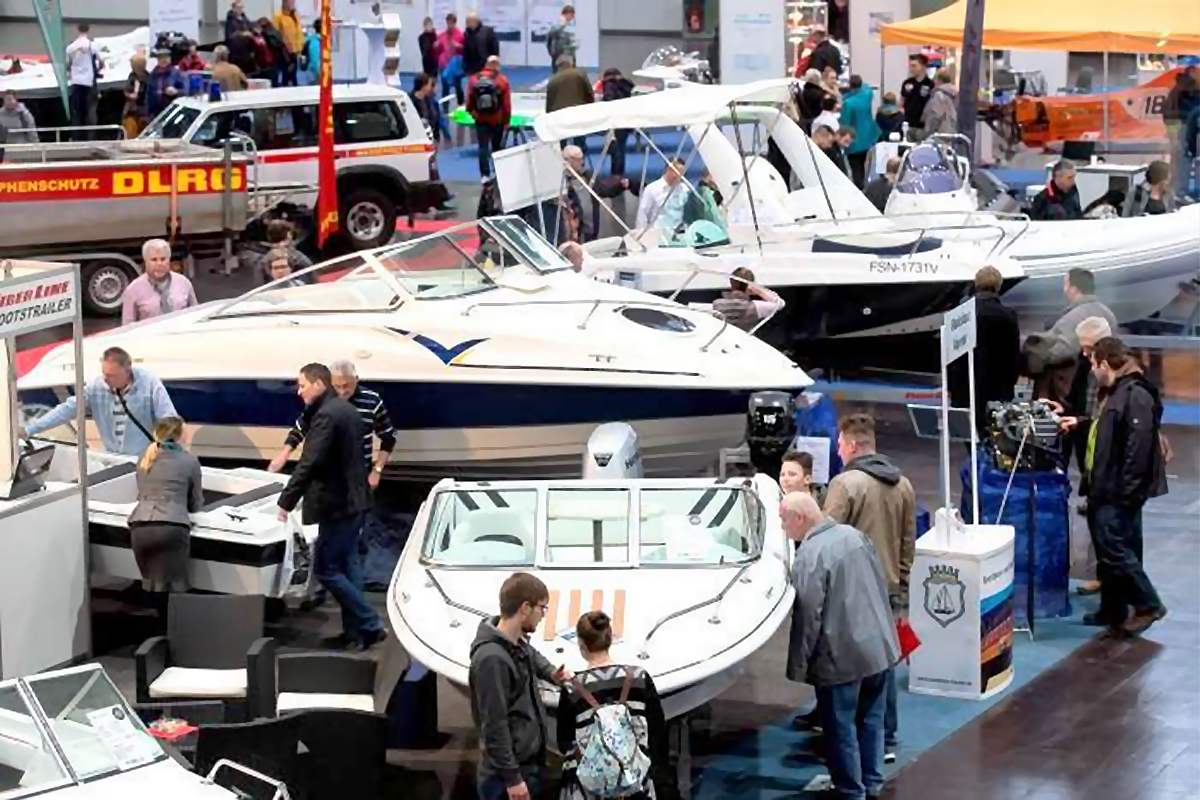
(49, 17)
(182, 16)
(752, 42)
(31, 303)
(327, 200)
(960, 605)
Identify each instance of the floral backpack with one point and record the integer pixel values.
(611, 764)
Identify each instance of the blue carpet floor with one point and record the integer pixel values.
(777, 761)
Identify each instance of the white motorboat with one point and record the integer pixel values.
(69, 735)
(845, 269)
(694, 574)
(492, 355)
(238, 545)
(36, 79)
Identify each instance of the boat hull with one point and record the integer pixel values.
(469, 430)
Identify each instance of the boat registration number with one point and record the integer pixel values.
(917, 267)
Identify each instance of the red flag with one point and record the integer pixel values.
(327, 200)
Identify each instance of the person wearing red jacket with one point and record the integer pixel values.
(489, 102)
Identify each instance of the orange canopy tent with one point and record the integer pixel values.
(1098, 26)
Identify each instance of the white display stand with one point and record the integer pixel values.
(960, 605)
(45, 617)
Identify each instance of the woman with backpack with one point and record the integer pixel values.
(620, 703)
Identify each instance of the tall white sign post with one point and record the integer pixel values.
(958, 339)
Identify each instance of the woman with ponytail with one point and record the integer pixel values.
(601, 684)
(168, 481)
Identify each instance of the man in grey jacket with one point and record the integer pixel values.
(1053, 355)
(14, 116)
(505, 703)
(843, 640)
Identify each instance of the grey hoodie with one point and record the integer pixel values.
(19, 117)
(505, 703)
(941, 112)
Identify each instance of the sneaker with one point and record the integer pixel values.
(889, 756)
(808, 722)
(372, 638)
(1086, 588)
(1141, 620)
(340, 642)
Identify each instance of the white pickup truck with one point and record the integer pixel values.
(386, 162)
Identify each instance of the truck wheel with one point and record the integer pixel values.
(103, 284)
(368, 219)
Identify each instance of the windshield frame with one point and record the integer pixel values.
(26, 687)
(373, 263)
(174, 109)
(49, 745)
(754, 521)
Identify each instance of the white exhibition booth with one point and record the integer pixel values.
(961, 583)
(44, 607)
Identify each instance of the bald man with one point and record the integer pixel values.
(843, 640)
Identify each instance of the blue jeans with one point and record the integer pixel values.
(337, 566)
(891, 718)
(492, 787)
(1117, 533)
(491, 138)
(852, 715)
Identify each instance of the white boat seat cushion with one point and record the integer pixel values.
(297, 701)
(495, 524)
(190, 682)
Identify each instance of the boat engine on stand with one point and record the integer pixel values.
(1023, 435)
(770, 429)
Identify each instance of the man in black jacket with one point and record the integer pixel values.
(997, 351)
(1059, 200)
(505, 703)
(1125, 467)
(479, 43)
(825, 53)
(330, 477)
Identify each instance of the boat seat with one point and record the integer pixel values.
(502, 525)
(245, 497)
(820, 245)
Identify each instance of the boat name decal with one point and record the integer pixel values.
(919, 267)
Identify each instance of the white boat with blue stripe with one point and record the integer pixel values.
(493, 356)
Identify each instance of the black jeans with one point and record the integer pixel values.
(491, 139)
(858, 167)
(80, 101)
(1117, 536)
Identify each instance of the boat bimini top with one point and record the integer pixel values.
(694, 573)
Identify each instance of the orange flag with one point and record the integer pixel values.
(327, 201)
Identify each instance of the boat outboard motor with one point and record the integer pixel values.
(612, 452)
(770, 429)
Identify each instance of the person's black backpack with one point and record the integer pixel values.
(617, 88)
(485, 94)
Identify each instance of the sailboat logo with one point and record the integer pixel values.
(945, 594)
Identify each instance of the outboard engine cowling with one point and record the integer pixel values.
(612, 452)
(770, 429)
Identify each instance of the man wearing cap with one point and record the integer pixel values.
(166, 83)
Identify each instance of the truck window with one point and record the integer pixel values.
(368, 121)
(271, 128)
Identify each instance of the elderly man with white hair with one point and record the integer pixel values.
(580, 218)
(843, 640)
(158, 290)
(376, 423)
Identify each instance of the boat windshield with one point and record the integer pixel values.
(172, 123)
(679, 526)
(96, 731)
(929, 169)
(460, 261)
(27, 762)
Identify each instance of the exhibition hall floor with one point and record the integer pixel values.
(1085, 717)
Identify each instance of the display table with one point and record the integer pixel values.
(960, 605)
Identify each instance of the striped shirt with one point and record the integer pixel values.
(645, 709)
(146, 397)
(375, 420)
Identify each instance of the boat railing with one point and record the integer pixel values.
(644, 654)
(446, 598)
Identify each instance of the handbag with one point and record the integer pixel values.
(909, 641)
